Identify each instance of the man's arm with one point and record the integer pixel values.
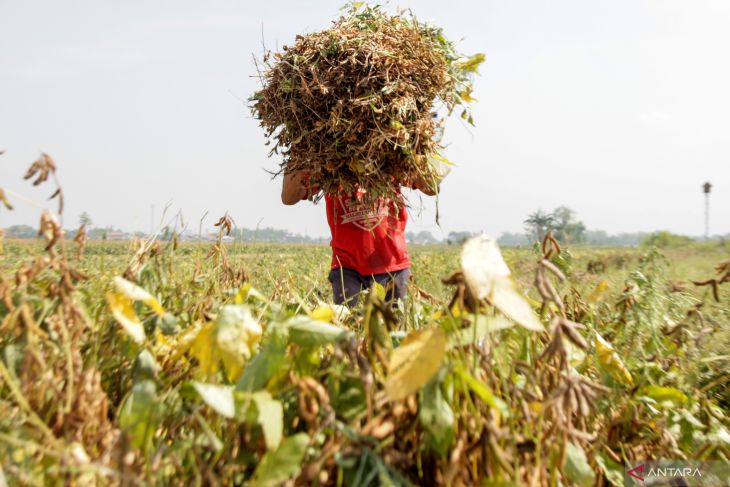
(293, 189)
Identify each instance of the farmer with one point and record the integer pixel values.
(368, 239)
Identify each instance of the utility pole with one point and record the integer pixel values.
(152, 219)
(706, 189)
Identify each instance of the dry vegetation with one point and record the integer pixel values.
(170, 365)
(353, 104)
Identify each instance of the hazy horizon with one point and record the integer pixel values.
(617, 110)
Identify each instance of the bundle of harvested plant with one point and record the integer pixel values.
(353, 104)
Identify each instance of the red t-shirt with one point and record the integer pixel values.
(367, 237)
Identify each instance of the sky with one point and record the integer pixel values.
(619, 110)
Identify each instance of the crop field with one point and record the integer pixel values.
(166, 363)
(135, 355)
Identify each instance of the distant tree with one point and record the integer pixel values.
(166, 234)
(561, 221)
(21, 231)
(99, 233)
(513, 239)
(422, 237)
(665, 239)
(458, 238)
(565, 226)
(600, 237)
(85, 219)
(538, 224)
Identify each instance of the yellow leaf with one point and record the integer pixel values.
(597, 293)
(186, 338)
(440, 166)
(164, 345)
(610, 360)
(123, 311)
(379, 291)
(136, 293)
(395, 124)
(465, 95)
(456, 310)
(488, 277)
(228, 339)
(472, 64)
(664, 395)
(323, 313)
(441, 158)
(203, 348)
(414, 362)
(248, 291)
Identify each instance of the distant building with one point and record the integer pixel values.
(117, 235)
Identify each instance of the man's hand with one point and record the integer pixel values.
(425, 187)
(296, 187)
(293, 189)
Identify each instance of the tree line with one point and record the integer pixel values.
(562, 222)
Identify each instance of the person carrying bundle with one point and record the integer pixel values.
(350, 109)
(368, 238)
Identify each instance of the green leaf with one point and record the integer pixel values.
(663, 395)
(265, 364)
(482, 391)
(145, 366)
(270, 417)
(138, 414)
(577, 468)
(379, 291)
(213, 441)
(436, 416)
(306, 332)
(483, 325)
(613, 472)
(167, 323)
(280, 465)
(414, 362)
(348, 397)
(218, 398)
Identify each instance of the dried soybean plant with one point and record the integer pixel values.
(353, 104)
(3, 198)
(229, 276)
(723, 276)
(57, 397)
(571, 398)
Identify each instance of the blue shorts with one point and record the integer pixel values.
(347, 284)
